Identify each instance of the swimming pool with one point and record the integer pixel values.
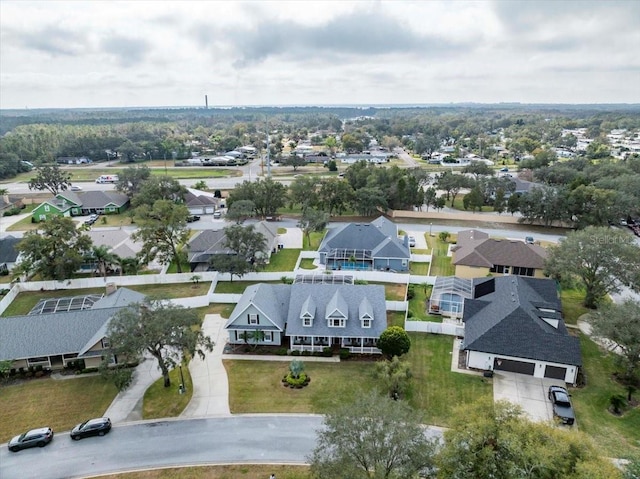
(348, 265)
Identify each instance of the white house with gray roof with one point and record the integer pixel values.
(515, 323)
(51, 340)
(365, 246)
(310, 317)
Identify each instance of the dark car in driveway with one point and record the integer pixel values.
(93, 427)
(562, 409)
(35, 437)
(192, 218)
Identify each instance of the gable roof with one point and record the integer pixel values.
(67, 332)
(507, 319)
(195, 199)
(379, 237)
(118, 241)
(100, 199)
(271, 299)
(8, 251)
(352, 298)
(475, 248)
(207, 244)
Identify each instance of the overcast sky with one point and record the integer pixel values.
(155, 53)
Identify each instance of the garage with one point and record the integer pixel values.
(555, 372)
(510, 365)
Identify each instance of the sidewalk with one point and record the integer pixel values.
(127, 405)
(210, 383)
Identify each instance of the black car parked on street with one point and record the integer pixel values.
(93, 427)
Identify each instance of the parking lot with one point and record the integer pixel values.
(528, 392)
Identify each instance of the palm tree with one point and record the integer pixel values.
(130, 265)
(103, 258)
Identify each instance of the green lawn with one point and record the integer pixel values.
(395, 318)
(572, 307)
(238, 287)
(25, 301)
(307, 263)
(393, 291)
(458, 205)
(47, 402)
(440, 262)
(283, 260)
(223, 309)
(419, 268)
(418, 304)
(80, 174)
(162, 402)
(316, 239)
(618, 436)
(436, 390)
(255, 386)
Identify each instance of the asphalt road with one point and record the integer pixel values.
(251, 439)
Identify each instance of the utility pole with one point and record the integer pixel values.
(268, 153)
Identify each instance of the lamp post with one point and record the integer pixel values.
(430, 228)
(182, 388)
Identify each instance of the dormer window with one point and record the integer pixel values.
(307, 322)
(337, 322)
(253, 319)
(366, 323)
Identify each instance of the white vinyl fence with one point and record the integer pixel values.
(435, 328)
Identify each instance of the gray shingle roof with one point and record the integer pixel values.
(8, 251)
(100, 199)
(206, 244)
(508, 321)
(352, 297)
(50, 334)
(284, 304)
(67, 332)
(379, 237)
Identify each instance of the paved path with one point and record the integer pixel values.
(292, 238)
(127, 405)
(209, 377)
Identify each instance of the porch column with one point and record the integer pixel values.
(312, 342)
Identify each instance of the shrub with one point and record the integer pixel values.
(295, 352)
(394, 341)
(410, 292)
(281, 351)
(327, 352)
(299, 382)
(345, 354)
(306, 353)
(286, 280)
(39, 368)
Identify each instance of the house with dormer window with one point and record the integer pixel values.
(310, 317)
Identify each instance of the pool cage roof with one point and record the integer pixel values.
(323, 279)
(442, 300)
(347, 254)
(57, 305)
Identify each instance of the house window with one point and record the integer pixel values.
(268, 336)
(43, 217)
(46, 208)
(336, 323)
(253, 319)
(307, 322)
(105, 343)
(521, 271)
(366, 323)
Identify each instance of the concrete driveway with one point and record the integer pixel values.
(292, 238)
(528, 392)
(421, 242)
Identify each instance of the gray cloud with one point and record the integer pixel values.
(51, 39)
(128, 51)
(356, 34)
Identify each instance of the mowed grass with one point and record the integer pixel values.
(283, 260)
(223, 309)
(394, 291)
(618, 436)
(421, 269)
(395, 318)
(436, 390)
(162, 402)
(238, 287)
(440, 262)
(572, 307)
(59, 404)
(244, 471)
(316, 239)
(25, 301)
(307, 263)
(256, 387)
(418, 304)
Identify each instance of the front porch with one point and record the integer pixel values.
(316, 344)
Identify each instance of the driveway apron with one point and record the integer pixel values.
(528, 392)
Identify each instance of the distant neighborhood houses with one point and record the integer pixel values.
(69, 203)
